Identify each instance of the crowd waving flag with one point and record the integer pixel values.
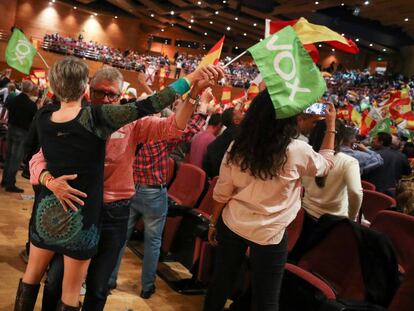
(20, 52)
(292, 79)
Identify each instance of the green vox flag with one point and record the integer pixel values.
(292, 79)
(20, 52)
(384, 126)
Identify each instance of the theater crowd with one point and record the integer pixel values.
(238, 74)
(102, 159)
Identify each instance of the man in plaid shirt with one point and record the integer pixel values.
(151, 200)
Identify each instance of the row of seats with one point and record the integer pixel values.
(332, 267)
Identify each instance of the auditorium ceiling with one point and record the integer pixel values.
(380, 25)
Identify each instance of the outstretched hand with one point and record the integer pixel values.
(66, 195)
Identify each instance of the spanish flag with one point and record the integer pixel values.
(311, 33)
(409, 118)
(367, 124)
(355, 116)
(226, 95)
(213, 56)
(39, 73)
(252, 91)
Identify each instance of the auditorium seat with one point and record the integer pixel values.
(374, 202)
(171, 171)
(367, 185)
(400, 229)
(328, 276)
(295, 229)
(183, 194)
(202, 250)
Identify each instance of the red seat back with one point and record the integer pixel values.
(187, 185)
(367, 185)
(171, 170)
(336, 260)
(373, 202)
(207, 203)
(400, 229)
(295, 229)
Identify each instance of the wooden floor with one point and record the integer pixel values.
(15, 212)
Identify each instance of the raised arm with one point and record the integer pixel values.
(105, 119)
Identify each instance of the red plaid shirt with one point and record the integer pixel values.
(151, 161)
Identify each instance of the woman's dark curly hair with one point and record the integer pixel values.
(261, 144)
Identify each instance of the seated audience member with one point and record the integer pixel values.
(408, 150)
(215, 151)
(201, 140)
(395, 165)
(256, 196)
(368, 159)
(340, 192)
(405, 196)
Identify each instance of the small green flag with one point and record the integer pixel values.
(384, 126)
(20, 52)
(292, 79)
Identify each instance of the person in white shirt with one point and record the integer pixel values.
(340, 192)
(256, 197)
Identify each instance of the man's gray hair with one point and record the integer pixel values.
(28, 87)
(69, 78)
(108, 73)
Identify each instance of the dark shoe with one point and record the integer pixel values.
(146, 294)
(26, 296)
(14, 189)
(62, 307)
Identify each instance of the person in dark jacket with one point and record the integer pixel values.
(215, 151)
(395, 165)
(21, 112)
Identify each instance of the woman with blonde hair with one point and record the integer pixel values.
(73, 140)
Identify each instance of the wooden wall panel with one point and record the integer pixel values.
(8, 10)
(38, 17)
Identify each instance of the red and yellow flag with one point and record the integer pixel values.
(39, 73)
(226, 95)
(367, 123)
(355, 116)
(213, 56)
(252, 91)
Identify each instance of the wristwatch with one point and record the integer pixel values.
(193, 101)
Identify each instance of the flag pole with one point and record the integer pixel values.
(41, 57)
(237, 57)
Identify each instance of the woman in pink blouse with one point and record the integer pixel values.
(257, 196)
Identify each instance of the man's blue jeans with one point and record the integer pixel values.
(152, 205)
(115, 217)
(16, 138)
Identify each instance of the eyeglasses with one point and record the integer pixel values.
(101, 95)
